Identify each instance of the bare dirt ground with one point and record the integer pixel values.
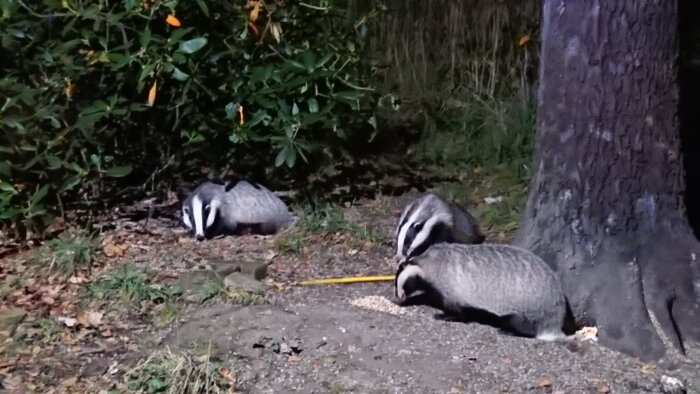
(309, 339)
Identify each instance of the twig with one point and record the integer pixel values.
(91, 351)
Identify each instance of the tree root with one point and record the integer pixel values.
(625, 281)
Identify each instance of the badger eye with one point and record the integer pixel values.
(418, 225)
(206, 208)
(186, 210)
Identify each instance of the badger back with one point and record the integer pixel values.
(253, 203)
(502, 279)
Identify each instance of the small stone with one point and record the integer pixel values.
(237, 280)
(296, 347)
(256, 269)
(671, 385)
(285, 348)
(544, 382)
(10, 319)
(193, 282)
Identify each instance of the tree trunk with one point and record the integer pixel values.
(606, 199)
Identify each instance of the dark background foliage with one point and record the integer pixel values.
(324, 87)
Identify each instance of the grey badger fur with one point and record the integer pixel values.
(512, 284)
(431, 219)
(215, 208)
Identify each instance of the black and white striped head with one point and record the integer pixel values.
(408, 280)
(200, 210)
(424, 222)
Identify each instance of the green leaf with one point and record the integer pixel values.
(54, 122)
(309, 60)
(118, 172)
(177, 34)
(258, 117)
(289, 132)
(7, 188)
(349, 95)
(265, 102)
(313, 105)
(295, 109)
(118, 60)
(10, 213)
(39, 195)
(203, 6)
(179, 75)
(193, 45)
(230, 110)
(145, 37)
(69, 183)
(324, 60)
(281, 156)
(291, 158)
(146, 71)
(296, 65)
(53, 161)
(235, 138)
(5, 169)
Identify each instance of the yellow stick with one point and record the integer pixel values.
(354, 279)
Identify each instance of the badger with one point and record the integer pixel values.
(216, 208)
(430, 219)
(513, 285)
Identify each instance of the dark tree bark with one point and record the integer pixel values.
(606, 198)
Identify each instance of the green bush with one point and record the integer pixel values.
(102, 93)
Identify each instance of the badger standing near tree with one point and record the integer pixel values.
(431, 219)
(511, 283)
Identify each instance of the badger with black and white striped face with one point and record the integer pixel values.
(508, 282)
(430, 219)
(233, 207)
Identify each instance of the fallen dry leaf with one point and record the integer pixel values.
(226, 374)
(172, 21)
(293, 358)
(648, 369)
(76, 280)
(48, 300)
(114, 250)
(90, 318)
(68, 321)
(152, 94)
(603, 389)
(544, 382)
(70, 382)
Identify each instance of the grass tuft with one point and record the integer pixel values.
(494, 136)
(68, 254)
(130, 283)
(183, 372)
(330, 219)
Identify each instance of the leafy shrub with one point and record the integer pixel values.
(97, 90)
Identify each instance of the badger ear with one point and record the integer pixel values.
(183, 192)
(231, 182)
